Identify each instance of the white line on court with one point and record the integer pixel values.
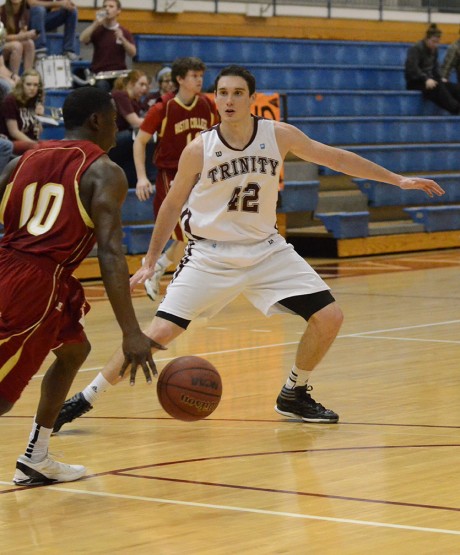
(405, 328)
(361, 334)
(258, 511)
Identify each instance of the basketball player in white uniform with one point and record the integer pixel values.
(225, 191)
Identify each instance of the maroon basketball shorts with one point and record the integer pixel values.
(38, 313)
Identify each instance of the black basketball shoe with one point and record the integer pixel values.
(297, 403)
(71, 409)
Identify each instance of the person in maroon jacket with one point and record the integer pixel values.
(127, 93)
(56, 201)
(111, 42)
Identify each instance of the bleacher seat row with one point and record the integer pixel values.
(345, 93)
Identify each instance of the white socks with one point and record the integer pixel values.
(39, 440)
(96, 387)
(297, 377)
(163, 262)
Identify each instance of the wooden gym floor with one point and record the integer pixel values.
(384, 480)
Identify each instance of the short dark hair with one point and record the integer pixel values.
(82, 102)
(117, 2)
(238, 71)
(181, 66)
(433, 31)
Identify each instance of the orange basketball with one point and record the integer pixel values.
(189, 388)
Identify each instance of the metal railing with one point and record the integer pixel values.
(273, 7)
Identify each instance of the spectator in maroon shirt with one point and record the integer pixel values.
(19, 112)
(127, 93)
(111, 42)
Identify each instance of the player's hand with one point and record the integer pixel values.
(430, 187)
(138, 352)
(143, 189)
(145, 272)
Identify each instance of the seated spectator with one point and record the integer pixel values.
(48, 15)
(111, 42)
(19, 112)
(127, 93)
(452, 61)
(422, 72)
(7, 78)
(162, 84)
(6, 151)
(19, 46)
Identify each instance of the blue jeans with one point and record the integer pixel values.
(6, 151)
(42, 21)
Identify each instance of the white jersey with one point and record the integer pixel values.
(235, 197)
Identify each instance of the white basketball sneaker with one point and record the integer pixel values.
(45, 472)
(152, 285)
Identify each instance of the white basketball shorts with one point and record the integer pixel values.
(212, 274)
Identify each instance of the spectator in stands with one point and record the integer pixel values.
(111, 42)
(48, 15)
(452, 61)
(422, 72)
(162, 84)
(6, 151)
(19, 112)
(19, 46)
(7, 78)
(127, 93)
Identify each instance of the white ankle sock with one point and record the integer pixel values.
(95, 388)
(39, 440)
(163, 262)
(297, 377)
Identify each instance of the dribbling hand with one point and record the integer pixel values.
(140, 356)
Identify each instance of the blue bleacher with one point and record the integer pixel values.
(436, 218)
(374, 130)
(328, 103)
(282, 76)
(381, 194)
(244, 50)
(135, 210)
(346, 225)
(55, 44)
(299, 196)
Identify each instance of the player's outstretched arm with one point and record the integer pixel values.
(291, 139)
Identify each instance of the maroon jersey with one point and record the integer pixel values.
(176, 125)
(108, 55)
(44, 215)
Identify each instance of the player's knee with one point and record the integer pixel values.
(329, 317)
(74, 354)
(163, 331)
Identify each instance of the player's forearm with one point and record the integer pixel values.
(115, 276)
(165, 223)
(356, 166)
(139, 159)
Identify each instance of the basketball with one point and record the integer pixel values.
(189, 388)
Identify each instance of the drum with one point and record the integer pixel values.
(55, 72)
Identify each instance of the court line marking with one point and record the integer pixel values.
(402, 328)
(452, 341)
(258, 511)
(361, 334)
